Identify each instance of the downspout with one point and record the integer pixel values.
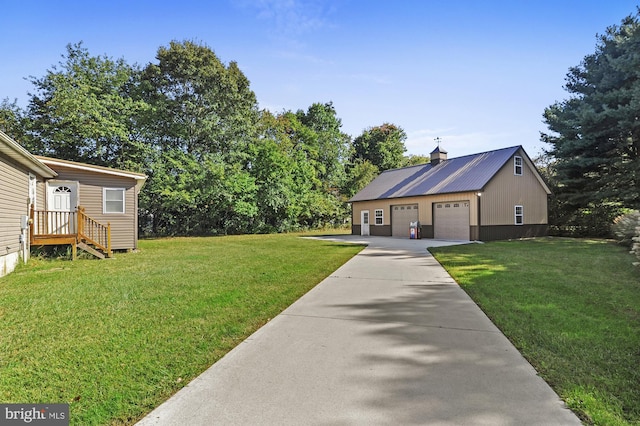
(479, 194)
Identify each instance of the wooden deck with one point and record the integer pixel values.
(76, 229)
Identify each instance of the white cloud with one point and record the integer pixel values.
(291, 17)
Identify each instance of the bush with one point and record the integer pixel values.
(626, 228)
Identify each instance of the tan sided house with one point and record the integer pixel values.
(22, 177)
(55, 202)
(488, 196)
(108, 196)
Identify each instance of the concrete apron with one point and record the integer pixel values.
(389, 338)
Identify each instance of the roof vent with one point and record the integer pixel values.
(438, 155)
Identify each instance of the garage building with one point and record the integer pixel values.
(488, 196)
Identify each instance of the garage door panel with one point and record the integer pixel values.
(451, 220)
(401, 218)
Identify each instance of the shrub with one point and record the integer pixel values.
(626, 228)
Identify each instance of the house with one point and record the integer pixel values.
(488, 196)
(109, 196)
(22, 177)
(48, 201)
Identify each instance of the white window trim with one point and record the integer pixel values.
(104, 200)
(516, 165)
(33, 190)
(516, 215)
(375, 217)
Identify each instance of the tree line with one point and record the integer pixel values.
(216, 163)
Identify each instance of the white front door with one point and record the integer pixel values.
(62, 200)
(364, 222)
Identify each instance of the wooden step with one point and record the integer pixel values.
(91, 250)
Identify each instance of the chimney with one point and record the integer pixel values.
(438, 155)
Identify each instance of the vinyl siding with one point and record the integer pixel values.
(41, 194)
(14, 199)
(124, 227)
(507, 190)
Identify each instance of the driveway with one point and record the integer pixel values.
(389, 338)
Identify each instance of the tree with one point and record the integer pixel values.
(359, 175)
(201, 122)
(414, 160)
(383, 146)
(81, 111)
(200, 106)
(12, 120)
(331, 144)
(595, 134)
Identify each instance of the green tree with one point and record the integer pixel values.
(81, 111)
(595, 134)
(331, 145)
(359, 175)
(202, 121)
(13, 122)
(383, 146)
(414, 160)
(200, 106)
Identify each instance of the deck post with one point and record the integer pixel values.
(79, 219)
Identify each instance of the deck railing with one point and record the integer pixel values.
(93, 232)
(49, 222)
(49, 227)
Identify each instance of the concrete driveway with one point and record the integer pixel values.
(388, 339)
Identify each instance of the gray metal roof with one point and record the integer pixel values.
(462, 174)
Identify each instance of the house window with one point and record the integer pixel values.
(517, 166)
(113, 200)
(379, 216)
(519, 215)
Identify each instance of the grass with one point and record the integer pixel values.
(115, 338)
(572, 308)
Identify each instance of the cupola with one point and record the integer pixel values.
(438, 155)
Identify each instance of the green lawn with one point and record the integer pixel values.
(572, 307)
(115, 338)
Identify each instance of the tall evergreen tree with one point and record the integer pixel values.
(595, 134)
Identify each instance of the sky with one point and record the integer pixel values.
(476, 74)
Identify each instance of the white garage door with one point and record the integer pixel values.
(401, 218)
(451, 220)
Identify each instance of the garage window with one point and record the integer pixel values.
(517, 166)
(519, 215)
(379, 216)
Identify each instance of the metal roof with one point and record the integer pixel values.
(462, 174)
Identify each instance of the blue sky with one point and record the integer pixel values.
(477, 74)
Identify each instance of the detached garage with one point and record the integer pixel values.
(487, 196)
